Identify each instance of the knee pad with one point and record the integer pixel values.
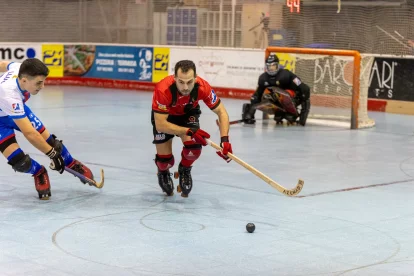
(21, 162)
(7, 142)
(163, 163)
(191, 151)
(55, 143)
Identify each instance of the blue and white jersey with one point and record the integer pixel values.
(12, 97)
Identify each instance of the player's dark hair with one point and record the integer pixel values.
(33, 67)
(185, 66)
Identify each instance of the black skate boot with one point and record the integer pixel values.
(279, 115)
(185, 181)
(165, 182)
(304, 112)
(42, 184)
(248, 114)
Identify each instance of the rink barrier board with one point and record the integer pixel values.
(232, 72)
(233, 93)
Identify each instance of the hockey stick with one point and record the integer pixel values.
(268, 180)
(91, 182)
(231, 122)
(238, 121)
(255, 106)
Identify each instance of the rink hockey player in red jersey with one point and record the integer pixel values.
(176, 112)
(17, 84)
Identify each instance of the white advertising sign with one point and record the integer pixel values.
(223, 67)
(20, 52)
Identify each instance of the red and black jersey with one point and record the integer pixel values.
(166, 98)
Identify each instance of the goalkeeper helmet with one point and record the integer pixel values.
(272, 64)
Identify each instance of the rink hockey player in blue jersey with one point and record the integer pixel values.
(18, 82)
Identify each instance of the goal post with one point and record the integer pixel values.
(338, 79)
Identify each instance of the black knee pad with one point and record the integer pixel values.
(21, 162)
(56, 143)
(8, 142)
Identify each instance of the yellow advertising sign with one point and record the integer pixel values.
(288, 61)
(52, 56)
(161, 63)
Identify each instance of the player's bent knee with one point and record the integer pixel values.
(164, 164)
(55, 143)
(5, 144)
(191, 151)
(21, 162)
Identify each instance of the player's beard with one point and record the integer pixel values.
(185, 92)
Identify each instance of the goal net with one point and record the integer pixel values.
(339, 81)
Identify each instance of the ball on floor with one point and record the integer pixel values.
(250, 227)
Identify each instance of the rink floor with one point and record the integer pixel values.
(354, 215)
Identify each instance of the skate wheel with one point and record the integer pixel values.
(183, 195)
(179, 189)
(176, 175)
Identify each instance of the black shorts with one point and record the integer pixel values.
(189, 119)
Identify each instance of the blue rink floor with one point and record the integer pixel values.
(355, 215)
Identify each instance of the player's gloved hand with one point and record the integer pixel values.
(226, 148)
(56, 161)
(198, 135)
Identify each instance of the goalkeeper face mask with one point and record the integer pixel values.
(272, 68)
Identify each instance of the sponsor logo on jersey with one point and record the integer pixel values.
(192, 120)
(297, 81)
(159, 136)
(16, 107)
(213, 97)
(162, 106)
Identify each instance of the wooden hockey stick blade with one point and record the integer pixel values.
(91, 182)
(265, 178)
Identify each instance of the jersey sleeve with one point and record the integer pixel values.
(160, 102)
(295, 81)
(13, 107)
(209, 97)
